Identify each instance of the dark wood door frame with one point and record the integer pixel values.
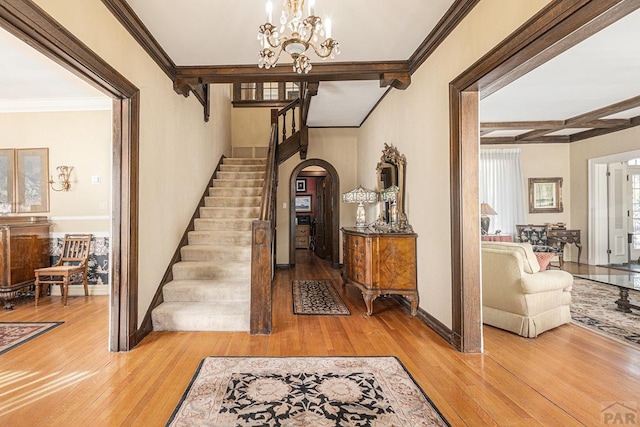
(335, 210)
(25, 20)
(559, 26)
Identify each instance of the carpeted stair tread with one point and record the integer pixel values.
(244, 161)
(223, 290)
(220, 237)
(230, 212)
(242, 168)
(235, 192)
(236, 183)
(218, 252)
(237, 201)
(242, 224)
(201, 316)
(240, 175)
(211, 269)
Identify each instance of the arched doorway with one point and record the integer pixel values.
(332, 210)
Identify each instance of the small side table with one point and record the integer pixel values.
(496, 238)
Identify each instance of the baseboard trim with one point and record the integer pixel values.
(78, 290)
(437, 326)
(283, 267)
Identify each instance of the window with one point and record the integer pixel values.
(292, 90)
(248, 91)
(270, 91)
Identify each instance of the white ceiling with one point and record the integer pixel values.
(30, 81)
(602, 70)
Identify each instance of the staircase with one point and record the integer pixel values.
(211, 287)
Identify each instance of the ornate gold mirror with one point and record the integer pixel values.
(391, 175)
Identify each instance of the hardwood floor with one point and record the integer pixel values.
(67, 377)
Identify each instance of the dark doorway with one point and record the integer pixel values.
(315, 209)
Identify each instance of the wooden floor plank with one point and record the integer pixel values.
(68, 377)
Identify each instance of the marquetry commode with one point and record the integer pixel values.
(380, 263)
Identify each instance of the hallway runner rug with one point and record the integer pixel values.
(13, 334)
(317, 297)
(304, 391)
(593, 307)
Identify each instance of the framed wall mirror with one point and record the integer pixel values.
(391, 178)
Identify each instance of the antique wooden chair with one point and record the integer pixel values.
(71, 268)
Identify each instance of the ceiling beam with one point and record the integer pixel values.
(334, 71)
(559, 139)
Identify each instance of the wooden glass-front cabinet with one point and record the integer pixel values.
(380, 264)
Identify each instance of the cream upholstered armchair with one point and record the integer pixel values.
(517, 296)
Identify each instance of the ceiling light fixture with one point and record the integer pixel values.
(301, 33)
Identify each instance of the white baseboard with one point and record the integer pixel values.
(78, 290)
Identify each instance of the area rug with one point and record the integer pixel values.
(593, 307)
(317, 297)
(13, 334)
(304, 391)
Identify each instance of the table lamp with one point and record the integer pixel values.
(485, 211)
(360, 195)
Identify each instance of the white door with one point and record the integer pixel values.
(634, 211)
(618, 222)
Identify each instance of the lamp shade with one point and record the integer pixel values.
(486, 209)
(360, 195)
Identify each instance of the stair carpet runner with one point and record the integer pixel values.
(211, 287)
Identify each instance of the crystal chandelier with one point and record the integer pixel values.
(301, 33)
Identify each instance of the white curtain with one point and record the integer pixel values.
(502, 187)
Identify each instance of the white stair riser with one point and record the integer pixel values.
(235, 192)
(232, 201)
(200, 321)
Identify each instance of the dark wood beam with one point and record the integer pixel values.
(558, 139)
(633, 122)
(521, 125)
(618, 107)
(399, 81)
(334, 71)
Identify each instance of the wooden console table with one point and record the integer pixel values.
(380, 264)
(24, 246)
(565, 236)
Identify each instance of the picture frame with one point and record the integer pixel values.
(7, 184)
(301, 185)
(545, 195)
(32, 183)
(303, 203)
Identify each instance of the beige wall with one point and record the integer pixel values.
(81, 139)
(178, 150)
(250, 127)
(417, 122)
(335, 146)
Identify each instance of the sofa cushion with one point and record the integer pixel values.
(529, 260)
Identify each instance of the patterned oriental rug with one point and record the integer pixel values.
(304, 391)
(593, 307)
(13, 334)
(317, 297)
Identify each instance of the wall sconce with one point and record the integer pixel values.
(63, 183)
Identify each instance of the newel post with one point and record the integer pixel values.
(261, 277)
